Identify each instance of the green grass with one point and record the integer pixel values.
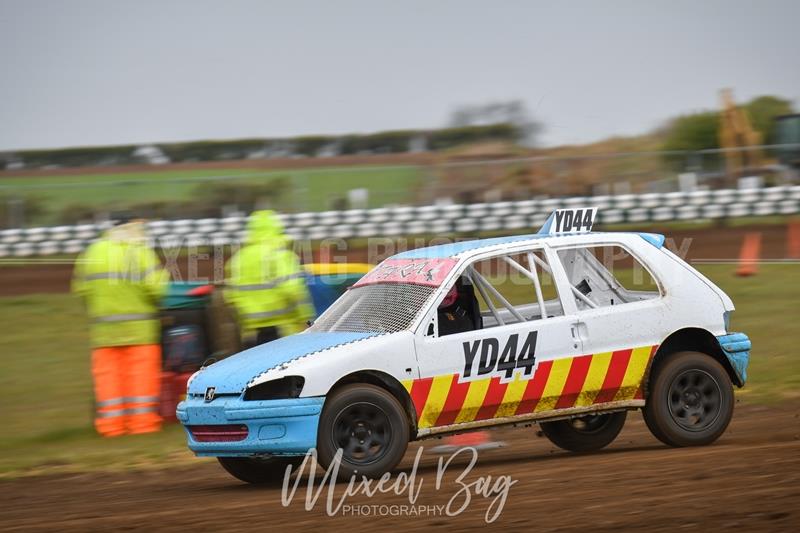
(768, 310)
(310, 189)
(46, 394)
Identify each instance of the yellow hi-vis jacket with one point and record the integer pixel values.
(122, 282)
(264, 280)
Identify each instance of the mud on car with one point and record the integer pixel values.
(567, 327)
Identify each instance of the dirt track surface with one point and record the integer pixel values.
(748, 481)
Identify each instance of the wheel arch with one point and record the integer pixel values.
(388, 383)
(694, 340)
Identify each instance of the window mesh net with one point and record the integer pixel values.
(380, 308)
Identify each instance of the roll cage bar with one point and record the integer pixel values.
(485, 288)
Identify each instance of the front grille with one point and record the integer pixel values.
(218, 433)
(217, 396)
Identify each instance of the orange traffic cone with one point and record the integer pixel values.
(793, 239)
(748, 257)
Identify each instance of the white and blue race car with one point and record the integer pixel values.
(566, 327)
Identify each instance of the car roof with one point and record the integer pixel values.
(465, 248)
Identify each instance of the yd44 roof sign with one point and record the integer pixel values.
(570, 221)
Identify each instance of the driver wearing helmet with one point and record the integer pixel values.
(453, 317)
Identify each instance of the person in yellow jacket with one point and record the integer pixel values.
(122, 282)
(266, 284)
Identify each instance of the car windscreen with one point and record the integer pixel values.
(375, 308)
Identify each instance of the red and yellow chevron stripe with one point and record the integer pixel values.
(557, 384)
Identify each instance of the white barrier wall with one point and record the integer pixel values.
(428, 220)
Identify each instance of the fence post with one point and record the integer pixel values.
(300, 189)
(16, 212)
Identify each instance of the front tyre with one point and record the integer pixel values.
(256, 470)
(690, 401)
(370, 427)
(584, 433)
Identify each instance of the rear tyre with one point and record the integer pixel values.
(690, 401)
(370, 427)
(585, 433)
(258, 471)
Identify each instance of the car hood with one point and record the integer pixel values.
(231, 375)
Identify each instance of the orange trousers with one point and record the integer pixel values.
(127, 381)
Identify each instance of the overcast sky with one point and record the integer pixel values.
(108, 72)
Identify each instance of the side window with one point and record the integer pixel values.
(501, 290)
(602, 276)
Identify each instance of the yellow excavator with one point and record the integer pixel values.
(740, 142)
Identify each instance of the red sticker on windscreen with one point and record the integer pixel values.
(430, 272)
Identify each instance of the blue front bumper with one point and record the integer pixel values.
(275, 427)
(736, 347)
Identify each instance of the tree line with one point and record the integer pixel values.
(387, 142)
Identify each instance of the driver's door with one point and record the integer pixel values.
(510, 366)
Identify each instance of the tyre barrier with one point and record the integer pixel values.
(442, 219)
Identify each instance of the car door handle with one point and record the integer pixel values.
(579, 331)
(576, 339)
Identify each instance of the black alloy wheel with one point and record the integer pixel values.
(370, 427)
(690, 399)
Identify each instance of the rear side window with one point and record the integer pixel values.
(605, 276)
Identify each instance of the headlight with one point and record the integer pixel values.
(277, 389)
